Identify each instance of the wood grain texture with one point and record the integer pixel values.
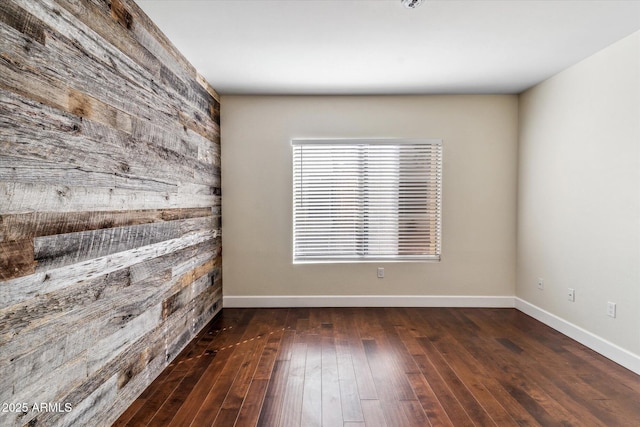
(16, 258)
(38, 224)
(110, 249)
(24, 22)
(454, 367)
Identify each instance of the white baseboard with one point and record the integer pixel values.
(607, 349)
(231, 301)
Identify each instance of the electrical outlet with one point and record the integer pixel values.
(611, 309)
(571, 295)
(380, 272)
(540, 283)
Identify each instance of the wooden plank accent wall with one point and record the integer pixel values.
(110, 253)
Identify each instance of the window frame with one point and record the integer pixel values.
(436, 257)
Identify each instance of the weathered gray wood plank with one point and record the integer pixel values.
(108, 348)
(183, 290)
(24, 22)
(38, 224)
(64, 249)
(91, 146)
(48, 388)
(34, 316)
(23, 198)
(34, 171)
(16, 258)
(96, 16)
(89, 410)
(18, 290)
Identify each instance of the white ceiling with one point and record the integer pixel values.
(380, 47)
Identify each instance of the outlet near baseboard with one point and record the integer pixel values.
(611, 309)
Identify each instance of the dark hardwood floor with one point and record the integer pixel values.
(386, 367)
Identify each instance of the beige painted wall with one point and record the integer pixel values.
(579, 193)
(479, 192)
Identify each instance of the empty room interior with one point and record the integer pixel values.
(319, 213)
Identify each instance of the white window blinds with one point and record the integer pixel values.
(366, 200)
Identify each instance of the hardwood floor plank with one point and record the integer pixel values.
(384, 384)
(173, 407)
(385, 367)
(272, 407)
(349, 396)
(252, 404)
(219, 390)
(268, 357)
(432, 407)
(361, 368)
(252, 345)
(293, 395)
(331, 401)
(373, 414)
(396, 319)
(239, 394)
(601, 369)
(415, 413)
(312, 389)
(453, 408)
(126, 418)
(399, 362)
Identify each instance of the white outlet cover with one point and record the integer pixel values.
(611, 309)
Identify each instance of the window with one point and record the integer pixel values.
(356, 200)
